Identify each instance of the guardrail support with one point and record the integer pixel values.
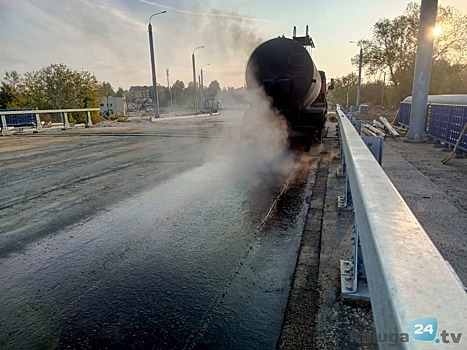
(5, 131)
(345, 202)
(354, 284)
(375, 144)
(38, 124)
(341, 172)
(88, 119)
(66, 124)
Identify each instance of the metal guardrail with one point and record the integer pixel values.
(22, 119)
(416, 296)
(64, 113)
(444, 123)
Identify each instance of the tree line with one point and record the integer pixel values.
(53, 87)
(58, 86)
(389, 59)
(181, 95)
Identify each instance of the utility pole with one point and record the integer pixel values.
(360, 61)
(202, 83)
(382, 90)
(199, 85)
(153, 66)
(202, 88)
(168, 86)
(421, 81)
(108, 107)
(194, 77)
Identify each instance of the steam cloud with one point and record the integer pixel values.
(229, 38)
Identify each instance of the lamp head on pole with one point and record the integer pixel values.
(358, 43)
(155, 14)
(196, 48)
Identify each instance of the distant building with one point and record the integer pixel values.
(140, 93)
(114, 105)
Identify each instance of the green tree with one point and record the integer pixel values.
(371, 92)
(53, 87)
(188, 95)
(106, 89)
(120, 92)
(213, 89)
(33, 91)
(451, 42)
(178, 93)
(11, 95)
(345, 90)
(446, 78)
(57, 81)
(164, 96)
(393, 45)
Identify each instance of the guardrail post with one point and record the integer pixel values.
(354, 284)
(38, 123)
(375, 144)
(66, 124)
(341, 172)
(345, 202)
(5, 131)
(357, 124)
(88, 119)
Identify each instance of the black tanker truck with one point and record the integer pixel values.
(283, 68)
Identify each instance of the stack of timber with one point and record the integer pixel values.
(383, 128)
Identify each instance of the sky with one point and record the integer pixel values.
(110, 37)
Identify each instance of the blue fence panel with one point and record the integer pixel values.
(439, 121)
(451, 121)
(459, 119)
(404, 114)
(19, 119)
(444, 122)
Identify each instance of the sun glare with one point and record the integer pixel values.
(437, 31)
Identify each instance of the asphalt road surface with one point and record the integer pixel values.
(170, 235)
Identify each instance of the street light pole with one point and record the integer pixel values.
(202, 82)
(360, 59)
(359, 76)
(108, 108)
(153, 66)
(168, 86)
(382, 90)
(194, 76)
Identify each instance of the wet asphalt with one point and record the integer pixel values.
(203, 260)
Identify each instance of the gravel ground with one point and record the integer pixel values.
(435, 192)
(316, 316)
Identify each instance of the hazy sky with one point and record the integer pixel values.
(110, 37)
